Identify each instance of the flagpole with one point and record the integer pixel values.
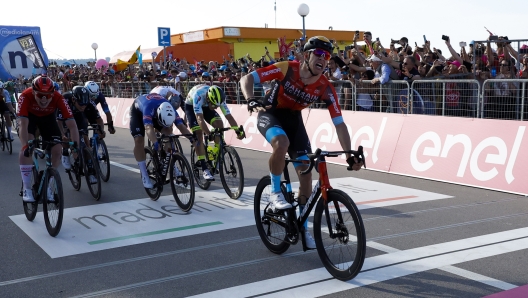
(164, 58)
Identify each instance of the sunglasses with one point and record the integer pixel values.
(40, 95)
(322, 53)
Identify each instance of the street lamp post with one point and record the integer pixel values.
(95, 46)
(303, 11)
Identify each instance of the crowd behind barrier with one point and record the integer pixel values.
(491, 99)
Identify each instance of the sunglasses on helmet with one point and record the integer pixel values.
(322, 53)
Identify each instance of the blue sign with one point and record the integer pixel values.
(13, 62)
(164, 37)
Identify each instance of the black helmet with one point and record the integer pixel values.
(319, 42)
(81, 95)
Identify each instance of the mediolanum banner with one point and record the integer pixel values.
(13, 61)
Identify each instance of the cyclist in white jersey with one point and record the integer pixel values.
(200, 106)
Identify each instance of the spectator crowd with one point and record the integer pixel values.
(368, 76)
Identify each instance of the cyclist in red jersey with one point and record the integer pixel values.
(295, 86)
(36, 109)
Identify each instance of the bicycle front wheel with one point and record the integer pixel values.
(103, 159)
(152, 170)
(91, 168)
(232, 173)
(74, 174)
(197, 170)
(339, 235)
(30, 209)
(182, 181)
(54, 205)
(271, 227)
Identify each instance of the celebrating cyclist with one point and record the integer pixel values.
(295, 87)
(148, 113)
(200, 106)
(37, 105)
(6, 109)
(96, 98)
(79, 102)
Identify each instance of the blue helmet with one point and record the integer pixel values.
(56, 86)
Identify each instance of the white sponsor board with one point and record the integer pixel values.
(104, 226)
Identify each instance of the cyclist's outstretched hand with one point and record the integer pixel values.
(240, 133)
(354, 164)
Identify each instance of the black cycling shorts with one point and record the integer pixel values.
(274, 122)
(47, 126)
(208, 114)
(136, 125)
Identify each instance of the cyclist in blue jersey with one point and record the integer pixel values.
(6, 108)
(148, 113)
(96, 98)
(200, 105)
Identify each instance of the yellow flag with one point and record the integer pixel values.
(120, 65)
(134, 57)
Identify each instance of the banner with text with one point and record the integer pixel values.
(477, 152)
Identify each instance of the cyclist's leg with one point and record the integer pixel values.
(92, 115)
(215, 120)
(137, 130)
(26, 164)
(197, 131)
(270, 126)
(4, 110)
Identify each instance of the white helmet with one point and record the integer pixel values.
(182, 75)
(92, 87)
(166, 114)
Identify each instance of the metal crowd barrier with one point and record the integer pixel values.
(495, 99)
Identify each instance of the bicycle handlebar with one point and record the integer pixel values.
(33, 143)
(218, 131)
(318, 153)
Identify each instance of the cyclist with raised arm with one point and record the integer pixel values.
(36, 109)
(79, 102)
(295, 86)
(97, 97)
(200, 106)
(151, 112)
(6, 109)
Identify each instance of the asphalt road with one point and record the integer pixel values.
(425, 239)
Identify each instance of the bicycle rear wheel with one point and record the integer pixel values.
(344, 253)
(53, 210)
(2, 133)
(74, 174)
(30, 209)
(95, 188)
(271, 226)
(232, 173)
(152, 170)
(182, 181)
(197, 170)
(103, 159)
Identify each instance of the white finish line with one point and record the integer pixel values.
(389, 266)
(105, 226)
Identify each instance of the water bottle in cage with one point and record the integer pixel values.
(211, 150)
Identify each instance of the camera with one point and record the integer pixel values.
(463, 44)
(394, 41)
(348, 48)
(357, 32)
(445, 37)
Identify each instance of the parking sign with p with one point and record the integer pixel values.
(163, 37)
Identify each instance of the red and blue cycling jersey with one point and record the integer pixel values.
(293, 94)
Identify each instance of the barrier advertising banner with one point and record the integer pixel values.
(13, 62)
(477, 152)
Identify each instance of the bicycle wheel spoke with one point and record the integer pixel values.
(232, 173)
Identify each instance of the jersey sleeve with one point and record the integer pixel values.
(225, 109)
(198, 101)
(23, 105)
(102, 100)
(63, 107)
(275, 71)
(330, 99)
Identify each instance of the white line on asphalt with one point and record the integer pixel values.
(124, 167)
(394, 264)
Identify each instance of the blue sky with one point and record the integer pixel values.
(117, 27)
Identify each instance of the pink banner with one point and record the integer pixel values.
(476, 152)
(479, 152)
